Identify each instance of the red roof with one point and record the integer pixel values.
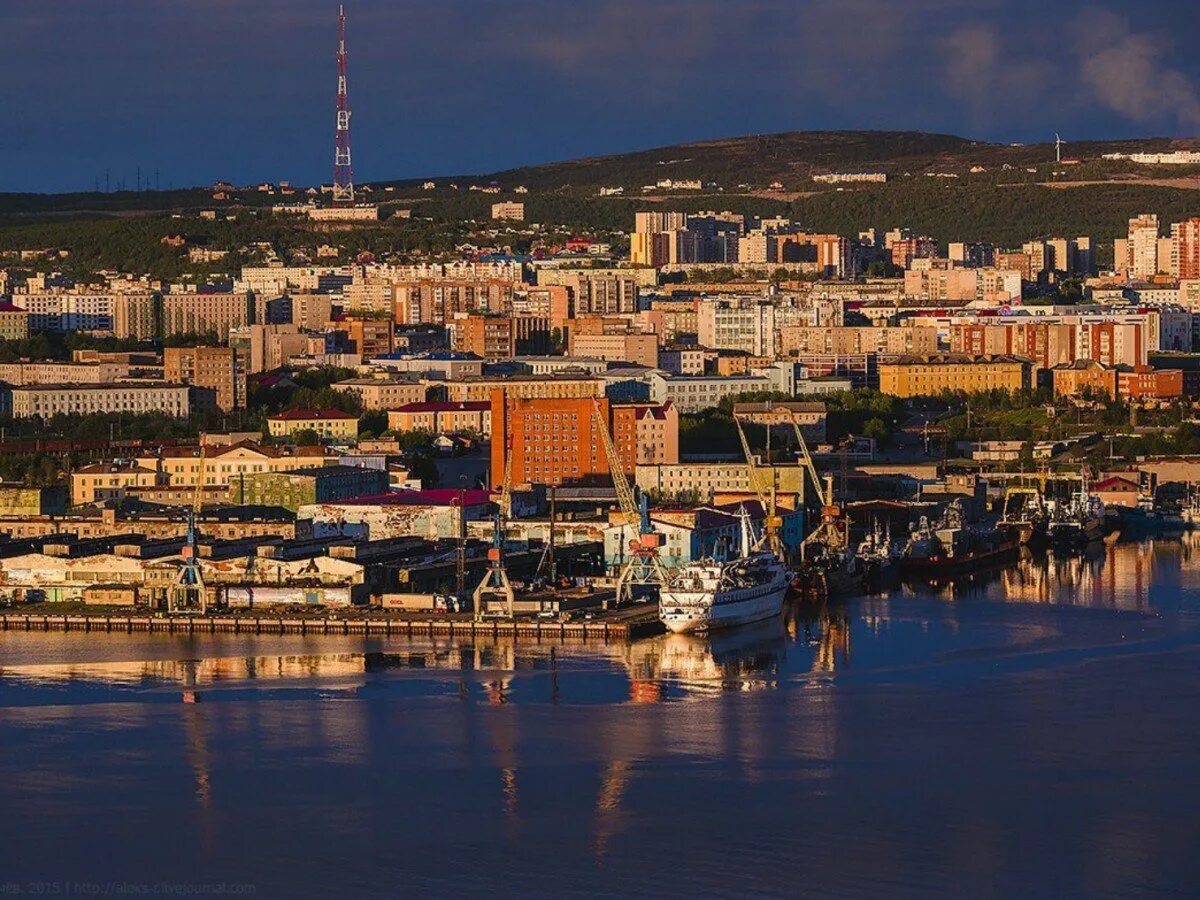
(295, 415)
(1116, 483)
(445, 406)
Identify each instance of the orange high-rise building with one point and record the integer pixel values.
(556, 440)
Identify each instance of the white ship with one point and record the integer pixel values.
(711, 594)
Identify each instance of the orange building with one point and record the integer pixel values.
(213, 368)
(488, 337)
(557, 441)
(1085, 377)
(1146, 383)
(641, 349)
(1047, 344)
(367, 335)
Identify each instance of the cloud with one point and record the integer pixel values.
(997, 75)
(1128, 73)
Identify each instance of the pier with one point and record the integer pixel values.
(620, 627)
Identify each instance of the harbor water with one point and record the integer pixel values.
(1033, 732)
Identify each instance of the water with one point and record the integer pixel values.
(1035, 733)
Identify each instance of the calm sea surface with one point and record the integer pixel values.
(1030, 734)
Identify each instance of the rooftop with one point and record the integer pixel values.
(445, 406)
(308, 415)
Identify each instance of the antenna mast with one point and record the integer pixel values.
(343, 175)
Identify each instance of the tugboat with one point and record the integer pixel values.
(948, 548)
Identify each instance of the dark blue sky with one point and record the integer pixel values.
(243, 89)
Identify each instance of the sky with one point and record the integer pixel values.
(243, 90)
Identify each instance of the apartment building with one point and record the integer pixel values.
(1141, 260)
(1147, 383)
(809, 416)
(1084, 377)
(62, 372)
(1185, 249)
(797, 339)
(488, 337)
(641, 349)
(366, 335)
(103, 481)
(330, 424)
(708, 480)
(68, 310)
(508, 211)
(695, 393)
(46, 400)
(443, 418)
(438, 301)
(265, 348)
(383, 393)
(560, 386)
(922, 376)
(557, 441)
(746, 324)
(14, 321)
(211, 368)
(197, 313)
(1046, 344)
(183, 467)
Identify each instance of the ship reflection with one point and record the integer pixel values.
(1128, 576)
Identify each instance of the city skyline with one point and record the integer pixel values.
(212, 90)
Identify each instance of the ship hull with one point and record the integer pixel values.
(935, 566)
(684, 612)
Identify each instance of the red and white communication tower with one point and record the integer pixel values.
(343, 174)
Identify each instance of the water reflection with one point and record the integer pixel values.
(909, 625)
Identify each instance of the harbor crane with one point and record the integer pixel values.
(772, 523)
(495, 590)
(188, 594)
(832, 531)
(643, 567)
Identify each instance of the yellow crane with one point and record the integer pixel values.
(643, 567)
(832, 530)
(772, 523)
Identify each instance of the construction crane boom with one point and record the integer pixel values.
(766, 496)
(643, 567)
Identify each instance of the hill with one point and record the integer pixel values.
(791, 158)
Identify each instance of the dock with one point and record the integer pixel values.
(618, 628)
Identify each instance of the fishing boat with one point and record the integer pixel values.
(936, 550)
(1077, 520)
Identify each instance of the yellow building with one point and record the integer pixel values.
(14, 322)
(332, 424)
(383, 393)
(180, 466)
(105, 480)
(926, 376)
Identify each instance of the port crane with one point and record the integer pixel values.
(772, 523)
(495, 588)
(187, 594)
(833, 529)
(643, 567)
